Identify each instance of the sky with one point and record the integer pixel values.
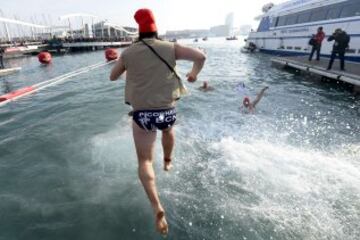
(169, 14)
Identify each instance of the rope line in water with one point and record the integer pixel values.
(22, 92)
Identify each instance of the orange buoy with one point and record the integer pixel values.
(16, 93)
(44, 57)
(111, 54)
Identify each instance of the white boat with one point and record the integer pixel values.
(286, 29)
(19, 51)
(7, 71)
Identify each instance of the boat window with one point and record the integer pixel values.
(351, 50)
(318, 15)
(274, 21)
(291, 19)
(304, 17)
(264, 25)
(281, 21)
(333, 13)
(351, 10)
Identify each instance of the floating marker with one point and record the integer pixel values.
(111, 54)
(16, 93)
(44, 57)
(22, 92)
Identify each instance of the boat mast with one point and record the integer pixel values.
(6, 27)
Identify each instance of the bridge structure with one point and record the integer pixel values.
(69, 27)
(105, 24)
(97, 41)
(76, 37)
(6, 21)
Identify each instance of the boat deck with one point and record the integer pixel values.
(351, 75)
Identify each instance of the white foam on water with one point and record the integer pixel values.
(114, 162)
(309, 193)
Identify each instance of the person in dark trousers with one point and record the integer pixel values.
(1, 58)
(342, 40)
(316, 43)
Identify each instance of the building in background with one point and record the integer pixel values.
(224, 30)
(104, 30)
(229, 22)
(244, 29)
(220, 31)
(196, 33)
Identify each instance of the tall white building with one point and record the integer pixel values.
(229, 22)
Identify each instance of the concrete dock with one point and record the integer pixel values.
(7, 71)
(86, 45)
(351, 75)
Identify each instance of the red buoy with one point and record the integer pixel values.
(44, 57)
(111, 54)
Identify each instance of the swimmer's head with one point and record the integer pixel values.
(205, 84)
(246, 101)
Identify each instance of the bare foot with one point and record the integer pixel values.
(167, 164)
(161, 224)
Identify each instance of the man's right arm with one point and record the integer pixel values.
(117, 70)
(190, 54)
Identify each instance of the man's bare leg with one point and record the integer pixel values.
(168, 142)
(145, 143)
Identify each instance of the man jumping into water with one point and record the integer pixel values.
(250, 106)
(152, 87)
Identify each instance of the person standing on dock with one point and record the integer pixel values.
(152, 87)
(342, 40)
(316, 42)
(2, 51)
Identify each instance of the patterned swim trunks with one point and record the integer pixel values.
(150, 120)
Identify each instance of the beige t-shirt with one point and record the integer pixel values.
(150, 84)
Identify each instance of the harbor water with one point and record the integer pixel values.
(68, 168)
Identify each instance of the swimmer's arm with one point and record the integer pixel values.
(117, 70)
(191, 54)
(259, 96)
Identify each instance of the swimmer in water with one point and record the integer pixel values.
(205, 87)
(250, 106)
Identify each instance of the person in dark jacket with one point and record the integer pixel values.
(316, 43)
(1, 58)
(342, 40)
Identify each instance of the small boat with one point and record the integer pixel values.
(19, 51)
(7, 71)
(232, 38)
(250, 48)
